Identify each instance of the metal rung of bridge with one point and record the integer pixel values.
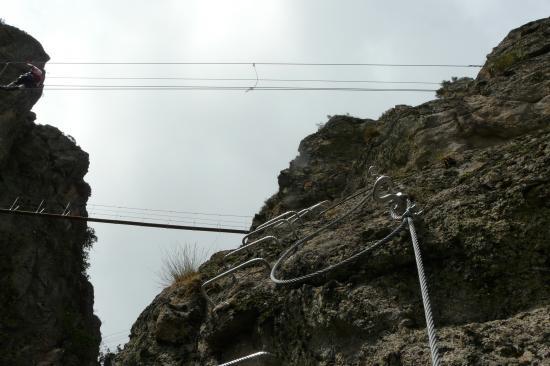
(248, 263)
(262, 354)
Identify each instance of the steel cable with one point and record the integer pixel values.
(72, 77)
(432, 335)
(329, 268)
(241, 63)
(223, 88)
(332, 266)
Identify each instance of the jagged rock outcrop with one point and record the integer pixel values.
(477, 160)
(46, 301)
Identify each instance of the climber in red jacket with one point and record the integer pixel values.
(34, 78)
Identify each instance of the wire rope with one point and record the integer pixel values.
(241, 79)
(193, 222)
(159, 216)
(224, 88)
(293, 247)
(169, 211)
(262, 63)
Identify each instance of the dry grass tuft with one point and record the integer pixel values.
(180, 265)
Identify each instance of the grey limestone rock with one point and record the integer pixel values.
(46, 301)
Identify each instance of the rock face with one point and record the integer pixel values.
(46, 301)
(477, 160)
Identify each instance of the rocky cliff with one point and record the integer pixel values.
(46, 301)
(476, 160)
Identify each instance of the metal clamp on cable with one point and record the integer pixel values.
(399, 203)
(384, 192)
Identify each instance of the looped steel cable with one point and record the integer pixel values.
(332, 267)
(329, 268)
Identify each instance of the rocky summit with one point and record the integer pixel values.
(46, 301)
(476, 161)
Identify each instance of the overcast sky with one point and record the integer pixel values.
(221, 151)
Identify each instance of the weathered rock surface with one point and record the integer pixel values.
(46, 301)
(477, 161)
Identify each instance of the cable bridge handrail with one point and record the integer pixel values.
(39, 211)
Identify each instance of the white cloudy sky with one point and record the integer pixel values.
(221, 151)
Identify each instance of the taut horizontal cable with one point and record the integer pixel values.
(249, 63)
